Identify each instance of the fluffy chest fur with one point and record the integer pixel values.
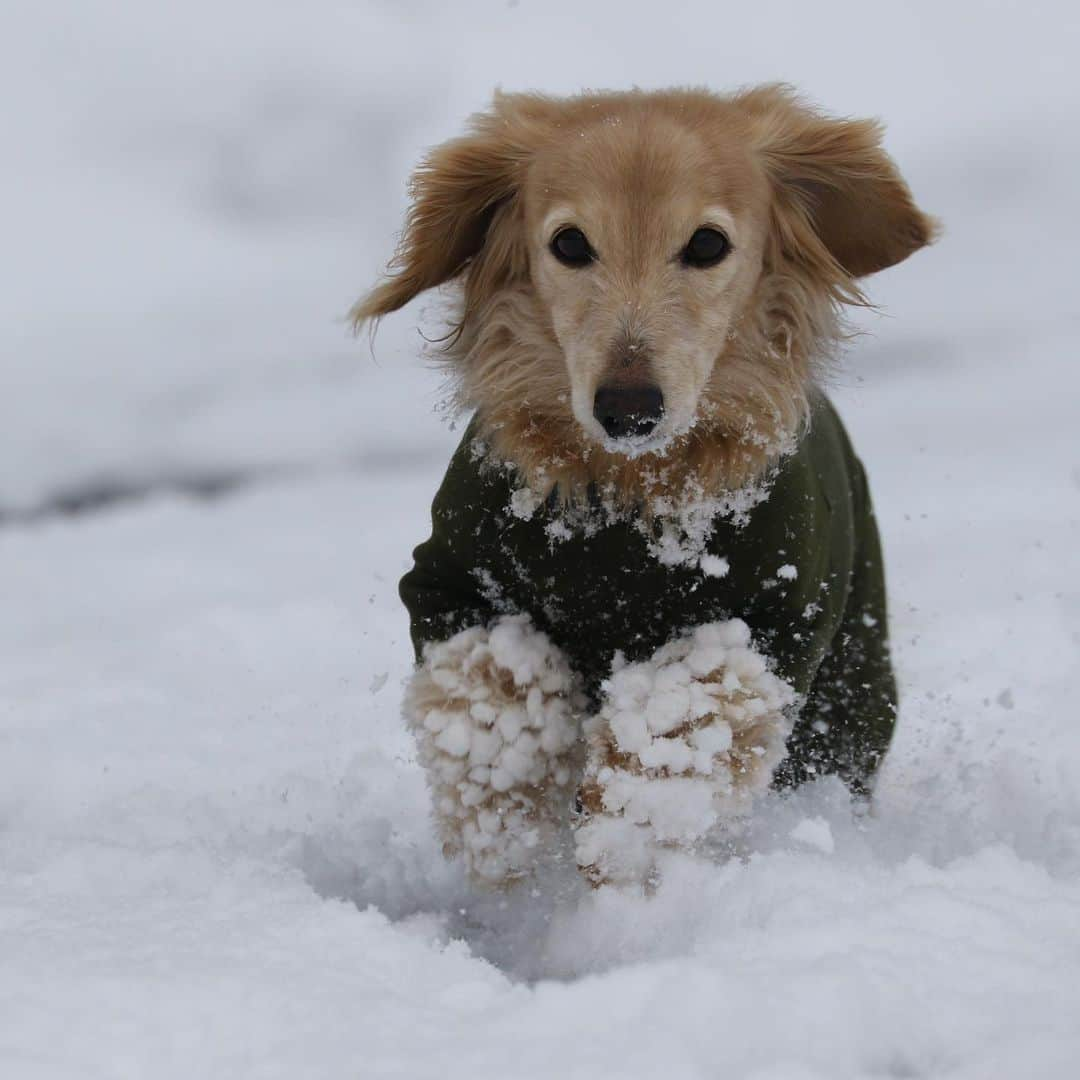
(655, 526)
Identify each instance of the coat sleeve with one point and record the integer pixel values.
(849, 715)
(443, 591)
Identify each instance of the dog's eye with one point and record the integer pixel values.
(707, 247)
(571, 247)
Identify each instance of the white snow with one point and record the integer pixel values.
(815, 832)
(714, 565)
(216, 857)
(679, 533)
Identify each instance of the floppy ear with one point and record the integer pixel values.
(835, 175)
(456, 192)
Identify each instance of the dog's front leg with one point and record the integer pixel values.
(496, 715)
(682, 743)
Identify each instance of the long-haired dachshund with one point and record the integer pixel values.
(654, 585)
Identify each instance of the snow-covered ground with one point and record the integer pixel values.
(215, 858)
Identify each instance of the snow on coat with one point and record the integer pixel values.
(798, 561)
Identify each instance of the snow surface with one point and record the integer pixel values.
(215, 855)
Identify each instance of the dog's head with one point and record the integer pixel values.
(648, 277)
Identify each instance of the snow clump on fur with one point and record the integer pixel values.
(684, 741)
(495, 713)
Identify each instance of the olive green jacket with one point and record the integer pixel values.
(804, 572)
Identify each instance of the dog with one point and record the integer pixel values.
(654, 586)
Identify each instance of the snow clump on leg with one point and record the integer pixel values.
(683, 742)
(495, 711)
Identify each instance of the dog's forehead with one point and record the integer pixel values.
(634, 164)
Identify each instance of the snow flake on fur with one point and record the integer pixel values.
(676, 528)
(683, 742)
(682, 526)
(495, 712)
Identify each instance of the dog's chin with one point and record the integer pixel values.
(657, 442)
(636, 446)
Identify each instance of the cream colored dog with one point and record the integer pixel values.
(651, 284)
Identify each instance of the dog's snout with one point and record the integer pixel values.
(628, 410)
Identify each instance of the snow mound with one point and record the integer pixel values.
(683, 742)
(495, 712)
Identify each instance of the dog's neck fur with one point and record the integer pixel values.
(506, 364)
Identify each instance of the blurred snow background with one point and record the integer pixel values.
(214, 856)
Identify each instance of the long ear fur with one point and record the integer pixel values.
(834, 175)
(457, 191)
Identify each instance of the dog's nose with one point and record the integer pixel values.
(628, 410)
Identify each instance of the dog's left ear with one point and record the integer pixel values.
(460, 192)
(834, 175)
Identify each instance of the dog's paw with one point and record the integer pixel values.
(683, 742)
(496, 715)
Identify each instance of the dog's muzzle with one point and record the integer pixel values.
(626, 411)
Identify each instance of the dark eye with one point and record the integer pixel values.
(571, 247)
(707, 247)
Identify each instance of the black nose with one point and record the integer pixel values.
(628, 410)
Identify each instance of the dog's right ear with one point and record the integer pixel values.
(456, 192)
